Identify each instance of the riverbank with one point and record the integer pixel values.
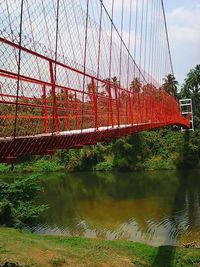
(41, 165)
(27, 249)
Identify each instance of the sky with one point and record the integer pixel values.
(183, 20)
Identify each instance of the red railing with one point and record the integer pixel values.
(39, 116)
(98, 103)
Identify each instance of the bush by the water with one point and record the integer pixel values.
(166, 148)
(17, 198)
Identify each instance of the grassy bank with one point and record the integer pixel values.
(37, 250)
(45, 164)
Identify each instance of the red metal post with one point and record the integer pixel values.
(94, 96)
(67, 109)
(46, 122)
(111, 106)
(76, 108)
(55, 113)
(117, 105)
(130, 109)
(126, 111)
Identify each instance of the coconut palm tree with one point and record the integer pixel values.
(192, 82)
(90, 91)
(191, 89)
(149, 88)
(111, 83)
(170, 85)
(136, 85)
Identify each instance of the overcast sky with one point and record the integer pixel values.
(183, 19)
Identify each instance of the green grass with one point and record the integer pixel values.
(41, 165)
(36, 250)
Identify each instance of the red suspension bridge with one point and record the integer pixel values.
(77, 72)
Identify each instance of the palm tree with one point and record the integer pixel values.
(170, 85)
(191, 89)
(192, 82)
(136, 85)
(111, 83)
(90, 91)
(149, 88)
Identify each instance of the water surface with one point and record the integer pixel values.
(158, 208)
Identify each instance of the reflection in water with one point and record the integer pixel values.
(150, 207)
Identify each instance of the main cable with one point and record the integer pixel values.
(167, 36)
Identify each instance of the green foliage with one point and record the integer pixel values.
(17, 198)
(104, 166)
(79, 160)
(189, 157)
(170, 85)
(46, 165)
(35, 164)
(127, 153)
(191, 89)
(4, 168)
(89, 158)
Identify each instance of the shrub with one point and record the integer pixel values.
(17, 207)
(104, 166)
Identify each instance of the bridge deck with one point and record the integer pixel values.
(42, 144)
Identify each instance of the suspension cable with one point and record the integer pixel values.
(19, 68)
(167, 36)
(114, 26)
(85, 59)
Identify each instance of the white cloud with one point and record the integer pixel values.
(184, 34)
(118, 6)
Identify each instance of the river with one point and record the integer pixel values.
(157, 208)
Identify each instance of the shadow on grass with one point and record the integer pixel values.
(166, 254)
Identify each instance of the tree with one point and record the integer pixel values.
(111, 83)
(136, 85)
(127, 153)
(170, 85)
(17, 202)
(90, 90)
(192, 82)
(191, 89)
(149, 89)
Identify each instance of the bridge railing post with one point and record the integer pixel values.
(117, 105)
(55, 112)
(67, 110)
(76, 109)
(46, 122)
(111, 106)
(94, 98)
(130, 108)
